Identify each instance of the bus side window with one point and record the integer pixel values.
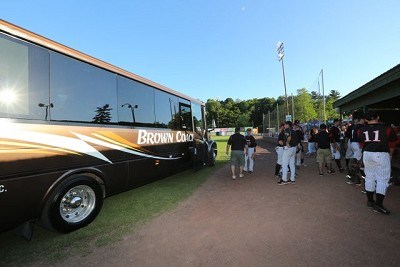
(186, 117)
(24, 80)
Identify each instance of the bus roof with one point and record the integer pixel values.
(24, 34)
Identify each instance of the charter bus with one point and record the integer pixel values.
(75, 129)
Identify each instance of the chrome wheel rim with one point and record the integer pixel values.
(77, 203)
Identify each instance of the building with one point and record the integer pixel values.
(381, 93)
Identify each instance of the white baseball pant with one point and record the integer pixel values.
(279, 152)
(249, 161)
(356, 149)
(377, 171)
(289, 158)
(335, 152)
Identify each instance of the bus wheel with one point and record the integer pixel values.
(212, 155)
(75, 204)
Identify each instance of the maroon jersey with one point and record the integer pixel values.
(376, 137)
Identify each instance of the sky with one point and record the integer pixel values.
(216, 49)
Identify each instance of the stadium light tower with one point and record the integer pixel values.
(281, 53)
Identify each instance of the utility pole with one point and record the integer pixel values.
(323, 93)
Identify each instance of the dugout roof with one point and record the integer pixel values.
(381, 93)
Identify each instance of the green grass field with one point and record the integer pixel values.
(121, 215)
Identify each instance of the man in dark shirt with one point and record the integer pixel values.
(239, 148)
(323, 150)
(354, 162)
(334, 134)
(375, 138)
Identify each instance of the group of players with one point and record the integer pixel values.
(367, 145)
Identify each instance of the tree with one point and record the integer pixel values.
(243, 119)
(314, 95)
(213, 108)
(334, 95)
(304, 108)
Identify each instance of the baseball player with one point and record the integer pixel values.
(334, 134)
(355, 152)
(289, 154)
(375, 137)
(251, 152)
(279, 150)
(300, 150)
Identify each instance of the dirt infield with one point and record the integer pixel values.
(251, 221)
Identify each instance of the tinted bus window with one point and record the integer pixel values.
(81, 92)
(186, 117)
(24, 79)
(135, 103)
(167, 110)
(198, 119)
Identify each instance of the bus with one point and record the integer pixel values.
(75, 130)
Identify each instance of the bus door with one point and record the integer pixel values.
(199, 133)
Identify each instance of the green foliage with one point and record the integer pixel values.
(230, 113)
(307, 107)
(303, 106)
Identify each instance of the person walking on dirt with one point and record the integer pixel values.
(323, 150)
(279, 150)
(334, 134)
(237, 144)
(289, 154)
(249, 157)
(355, 163)
(375, 138)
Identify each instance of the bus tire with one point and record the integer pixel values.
(212, 156)
(74, 204)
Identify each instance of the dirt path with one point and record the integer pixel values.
(320, 221)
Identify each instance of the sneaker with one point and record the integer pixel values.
(381, 209)
(250, 172)
(304, 165)
(358, 184)
(363, 191)
(282, 182)
(348, 177)
(331, 172)
(321, 174)
(292, 182)
(350, 182)
(234, 177)
(370, 204)
(241, 175)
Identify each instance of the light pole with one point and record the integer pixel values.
(281, 54)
